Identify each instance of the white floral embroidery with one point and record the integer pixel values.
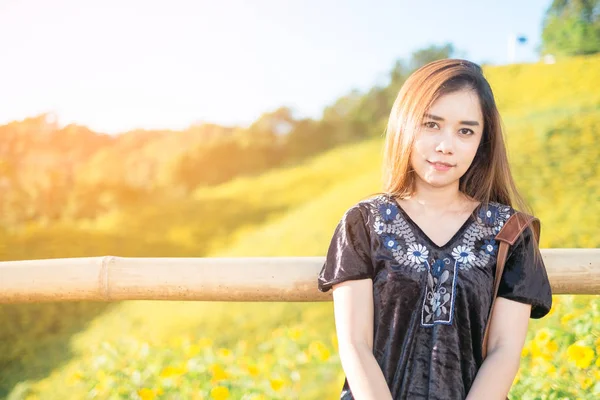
(417, 253)
(379, 227)
(463, 254)
(498, 226)
(438, 302)
(475, 248)
(398, 236)
(489, 222)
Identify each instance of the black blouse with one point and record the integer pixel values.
(431, 302)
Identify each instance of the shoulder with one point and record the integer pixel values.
(371, 212)
(371, 207)
(494, 215)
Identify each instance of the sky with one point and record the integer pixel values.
(118, 65)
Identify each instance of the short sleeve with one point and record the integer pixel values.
(349, 254)
(524, 278)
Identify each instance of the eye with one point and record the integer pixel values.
(428, 124)
(468, 131)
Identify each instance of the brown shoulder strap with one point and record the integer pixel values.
(515, 225)
(507, 236)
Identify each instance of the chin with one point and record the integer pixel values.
(439, 182)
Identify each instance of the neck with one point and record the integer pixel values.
(445, 199)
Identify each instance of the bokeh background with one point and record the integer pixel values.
(197, 129)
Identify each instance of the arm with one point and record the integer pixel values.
(353, 308)
(508, 330)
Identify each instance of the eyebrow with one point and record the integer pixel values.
(436, 118)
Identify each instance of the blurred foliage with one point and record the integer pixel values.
(571, 28)
(50, 174)
(70, 192)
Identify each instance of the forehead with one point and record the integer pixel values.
(463, 105)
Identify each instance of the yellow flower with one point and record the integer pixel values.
(172, 371)
(101, 375)
(535, 349)
(75, 378)
(100, 386)
(553, 308)
(542, 336)
(253, 370)
(546, 350)
(219, 393)
(225, 353)
(146, 394)
(205, 342)
(598, 362)
(525, 350)
(566, 318)
(294, 334)
(319, 350)
(218, 372)
(517, 377)
(580, 354)
(276, 383)
(192, 350)
(585, 382)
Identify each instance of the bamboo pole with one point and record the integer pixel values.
(110, 278)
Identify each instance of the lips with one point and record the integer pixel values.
(440, 166)
(440, 163)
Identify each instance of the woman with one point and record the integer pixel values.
(412, 269)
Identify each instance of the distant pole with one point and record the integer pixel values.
(511, 48)
(513, 40)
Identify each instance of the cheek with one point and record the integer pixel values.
(417, 154)
(468, 153)
(421, 146)
(471, 150)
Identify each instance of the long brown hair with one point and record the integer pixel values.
(488, 179)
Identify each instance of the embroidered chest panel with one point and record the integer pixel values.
(476, 246)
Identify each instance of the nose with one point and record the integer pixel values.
(445, 143)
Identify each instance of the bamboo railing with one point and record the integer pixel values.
(290, 279)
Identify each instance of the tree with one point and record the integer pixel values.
(572, 27)
(429, 54)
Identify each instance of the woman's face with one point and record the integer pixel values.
(448, 139)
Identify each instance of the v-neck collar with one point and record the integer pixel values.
(457, 234)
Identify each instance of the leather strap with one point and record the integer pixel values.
(515, 225)
(507, 236)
